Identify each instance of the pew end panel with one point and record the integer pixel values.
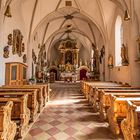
(8, 128)
(130, 126)
(33, 100)
(118, 111)
(20, 112)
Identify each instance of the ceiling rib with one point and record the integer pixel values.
(46, 28)
(58, 4)
(32, 18)
(92, 33)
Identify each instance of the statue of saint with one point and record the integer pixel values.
(110, 61)
(68, 67)
(124, 55)
(81, 63)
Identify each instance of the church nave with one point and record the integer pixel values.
(70, 69)
(68, 116)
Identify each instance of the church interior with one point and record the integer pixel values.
(70, 70)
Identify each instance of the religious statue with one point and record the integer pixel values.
(34, 57)
(124, 55)
(6, 52)
(68, 67)
(102, 53)
(23, 47)
(81, 63)
(17, 42)
(138, 41)
(68, 57)
(139, 48)
(110, 61)
(85, 62)
(10, 39)
(24, 58)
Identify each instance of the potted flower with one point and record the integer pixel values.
(32, 80)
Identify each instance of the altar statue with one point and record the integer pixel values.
(110, 61)
(68, 67)
(124, 55)
(81, 63)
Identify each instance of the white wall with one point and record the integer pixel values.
(104, 18)
(6, 27)
(131, 73)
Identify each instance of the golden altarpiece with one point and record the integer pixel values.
(68, 58)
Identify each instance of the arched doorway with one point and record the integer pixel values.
(83, 74)
(54, 71)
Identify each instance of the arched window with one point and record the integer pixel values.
(92, 55)
(118, 40)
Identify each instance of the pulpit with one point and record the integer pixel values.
(15, 73)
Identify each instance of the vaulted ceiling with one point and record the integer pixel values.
(52, 20)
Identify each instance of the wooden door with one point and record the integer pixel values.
(83, 74)
(54, 71)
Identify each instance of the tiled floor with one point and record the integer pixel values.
(68, 116)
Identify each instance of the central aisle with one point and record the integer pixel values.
(68, 116)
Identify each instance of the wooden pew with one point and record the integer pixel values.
(105, 100)
(95, 93)
(131, 125)
(87, 86)
(118, 110)
(43, 92)
(37, 99)
(33, 104)
(8, 128)
(20, 112)
(84, 87)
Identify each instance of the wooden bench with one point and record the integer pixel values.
(8, 128)
(88, 86)
(131, 125)
(20, 112)
(118, 110)
(32, 102)
(43, 92)
(105, 100)
(95, 93)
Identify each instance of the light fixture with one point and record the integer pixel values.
(126, 15)
(8, 12)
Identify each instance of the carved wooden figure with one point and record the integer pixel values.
(8, 128)
(118, 110)
(105, 98)
(131, 125)
(33, 104)
(20, 112)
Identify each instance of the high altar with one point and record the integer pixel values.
(68, 59)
